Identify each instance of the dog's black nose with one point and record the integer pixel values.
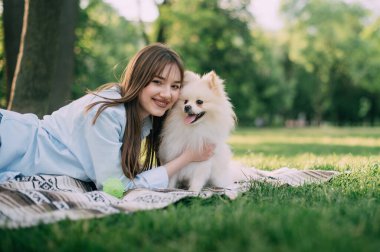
(187, 108)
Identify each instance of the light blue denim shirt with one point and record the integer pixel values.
(68, 143)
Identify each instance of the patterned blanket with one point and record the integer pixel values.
(29, 201)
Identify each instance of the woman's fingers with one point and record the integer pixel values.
(208, 150)
(204, 154)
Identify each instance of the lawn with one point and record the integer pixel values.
(342, 215)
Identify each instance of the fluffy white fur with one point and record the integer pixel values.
(200, 95)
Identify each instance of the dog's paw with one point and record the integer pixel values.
(196, 187)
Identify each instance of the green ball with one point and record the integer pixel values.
(114, 187)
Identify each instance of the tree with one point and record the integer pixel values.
(161, 25)
(12, 23)
(209, 37)
(364, 68)
(323, 37)
(44, 70)
(105, 42)
(222, 36)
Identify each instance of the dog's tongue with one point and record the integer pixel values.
(189, 119)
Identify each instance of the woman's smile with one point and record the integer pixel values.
(163, 103)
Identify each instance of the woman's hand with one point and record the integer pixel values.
(199, 156)
(189, 156)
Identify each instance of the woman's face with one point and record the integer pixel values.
(161, 93)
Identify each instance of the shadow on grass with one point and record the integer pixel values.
(291, 149)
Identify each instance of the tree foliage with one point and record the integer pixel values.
(321, 67)
(105, 43)
(217, 35)
(328, 44)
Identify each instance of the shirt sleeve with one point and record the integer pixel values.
(104, 141)
(154, 178)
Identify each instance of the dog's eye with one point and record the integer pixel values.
(186, 101)
(199, 102)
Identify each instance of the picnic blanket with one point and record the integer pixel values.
(32, 200)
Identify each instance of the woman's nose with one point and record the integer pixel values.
(165, 91)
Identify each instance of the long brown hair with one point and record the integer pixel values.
(148, 63)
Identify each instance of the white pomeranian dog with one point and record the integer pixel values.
(203, 114)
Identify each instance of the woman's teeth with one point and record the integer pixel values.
(162, 104)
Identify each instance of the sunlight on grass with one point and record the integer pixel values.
(345, 141)
(310, 161)
(345, 149)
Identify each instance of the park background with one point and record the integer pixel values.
(317, 64)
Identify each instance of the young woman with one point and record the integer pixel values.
(99, 136)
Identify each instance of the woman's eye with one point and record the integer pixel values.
(186, 101)
(199, 102)
(156, 81)
(176, 87)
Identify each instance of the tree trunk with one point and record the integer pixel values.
(12, 22)
(161, 36)
(44, 71)
(60, 93)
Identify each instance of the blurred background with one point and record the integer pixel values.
(292, 63)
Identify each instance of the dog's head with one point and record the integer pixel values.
(203, 97)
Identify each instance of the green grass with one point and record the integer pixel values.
(342, 215)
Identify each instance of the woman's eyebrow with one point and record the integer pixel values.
(162, 78)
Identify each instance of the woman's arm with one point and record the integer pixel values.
(159, 176)
(102, 142)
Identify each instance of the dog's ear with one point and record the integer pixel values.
(215, 83)
(190, 76)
